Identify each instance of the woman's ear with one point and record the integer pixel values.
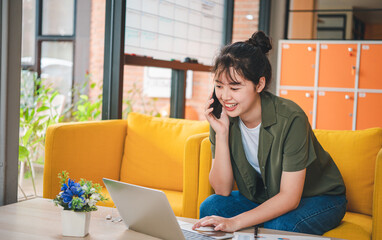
(260, 86)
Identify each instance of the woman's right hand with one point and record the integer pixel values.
(220, 125)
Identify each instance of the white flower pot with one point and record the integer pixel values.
(75, 224)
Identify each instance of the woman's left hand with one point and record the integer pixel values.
(219, 223)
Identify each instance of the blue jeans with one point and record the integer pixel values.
(314, 215)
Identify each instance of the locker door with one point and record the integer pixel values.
(335, 110)
(337, 65)
(303, 98)
(370, 70)
(298, 64)
(369, 110)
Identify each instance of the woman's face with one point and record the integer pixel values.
(239, 98)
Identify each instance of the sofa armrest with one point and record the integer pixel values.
(191, 175)
(205, 188)
(377, 199)
(89, 150)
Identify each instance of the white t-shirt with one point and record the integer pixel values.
(250, 139)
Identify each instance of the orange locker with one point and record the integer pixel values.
(303, 98)
(369, 110)
(337, 65)
(298, 64)
(370, 70)
(335, 110)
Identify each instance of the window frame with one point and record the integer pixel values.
(342, 29)
(115, 59)
(40, 38)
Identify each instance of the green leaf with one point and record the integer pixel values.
(27, 174)
(42, 108)
(26, 115)
(84, 97)
(41, 118)
(31, 114)
(26, 137)
(23, 152)
(81, 108)
(53, 96)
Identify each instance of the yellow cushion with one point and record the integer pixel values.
(354, 226)
(89, 150)
(154, 150)
(174, 197)
(176, 201)
(355, 153)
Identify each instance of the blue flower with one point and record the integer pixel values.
(73, 194)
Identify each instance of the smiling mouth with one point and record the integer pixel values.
(230, 105)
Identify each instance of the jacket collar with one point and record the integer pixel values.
(268, 110)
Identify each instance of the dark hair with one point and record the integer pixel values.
(249, 59)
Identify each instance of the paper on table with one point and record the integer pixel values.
(263, 236)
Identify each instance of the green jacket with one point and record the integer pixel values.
(286, 143)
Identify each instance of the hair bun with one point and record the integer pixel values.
(260, 40)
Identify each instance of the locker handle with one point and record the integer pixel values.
(310, 49)
(353, 70)
(307, 95)
(347, 97)
(350, 50)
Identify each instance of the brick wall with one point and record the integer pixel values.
(97, 39)
(133, 76)
(243, 28)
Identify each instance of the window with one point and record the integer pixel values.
(331, 26)
(55, 55)
(334, 20)
(48, 44)
(55, 45)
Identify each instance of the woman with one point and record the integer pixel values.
(264, 143)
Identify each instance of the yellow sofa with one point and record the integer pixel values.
(159, 153)
(358, 155)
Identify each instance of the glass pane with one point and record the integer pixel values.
(58, 17)
(57, 67)
(28, 32)
(147, 90)
(79, 97)
(331, 21)
(92, 76)
(322, 34)
(168, 30)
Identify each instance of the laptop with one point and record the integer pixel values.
(148, 211)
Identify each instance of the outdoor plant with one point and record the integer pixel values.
(78, 196)
(86, 109)
(37, 113)
(135, 101)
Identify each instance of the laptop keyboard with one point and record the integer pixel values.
(188, 235)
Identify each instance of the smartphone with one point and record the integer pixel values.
(216, 106)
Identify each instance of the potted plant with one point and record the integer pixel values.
(77, 200)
